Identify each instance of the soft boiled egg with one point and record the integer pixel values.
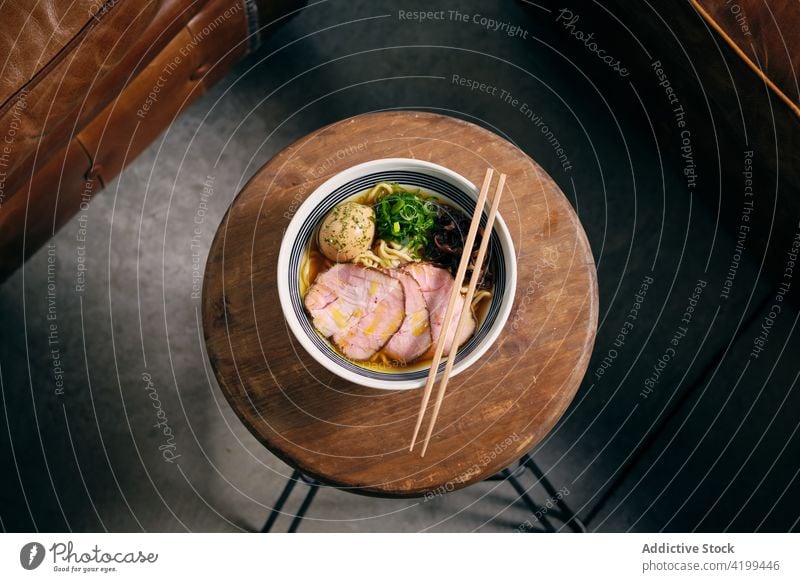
(347, 231)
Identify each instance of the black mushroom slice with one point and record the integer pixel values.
(447, 245)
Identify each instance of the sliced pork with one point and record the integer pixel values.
(436, 284)
(414, 336)
(359, 309)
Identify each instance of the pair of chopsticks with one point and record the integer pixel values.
(462, 318)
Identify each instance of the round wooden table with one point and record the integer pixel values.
(357, 438)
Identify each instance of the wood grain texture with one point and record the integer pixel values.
(355, 437)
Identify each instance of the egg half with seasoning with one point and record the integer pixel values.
(347, 231)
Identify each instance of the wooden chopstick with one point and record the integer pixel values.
(448, 314)
(462, 318)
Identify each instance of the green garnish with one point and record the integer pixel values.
(405, 217)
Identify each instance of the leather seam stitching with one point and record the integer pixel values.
(56, 58)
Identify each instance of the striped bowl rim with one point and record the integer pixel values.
(303, 226)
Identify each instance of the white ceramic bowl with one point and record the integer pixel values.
(429, 178)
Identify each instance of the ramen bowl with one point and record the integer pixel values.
(430, 179)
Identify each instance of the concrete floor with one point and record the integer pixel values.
(712, 448)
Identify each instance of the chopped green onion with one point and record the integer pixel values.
(406, 218)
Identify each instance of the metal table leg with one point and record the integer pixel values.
(565, 513)
(526, 463)
(303, 508)
(284, 497)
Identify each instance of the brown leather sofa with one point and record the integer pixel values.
(754, 91)
(734, 64)
(763, 36)
(760, 40)
(86, 85)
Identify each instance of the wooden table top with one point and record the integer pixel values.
(355, 437)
